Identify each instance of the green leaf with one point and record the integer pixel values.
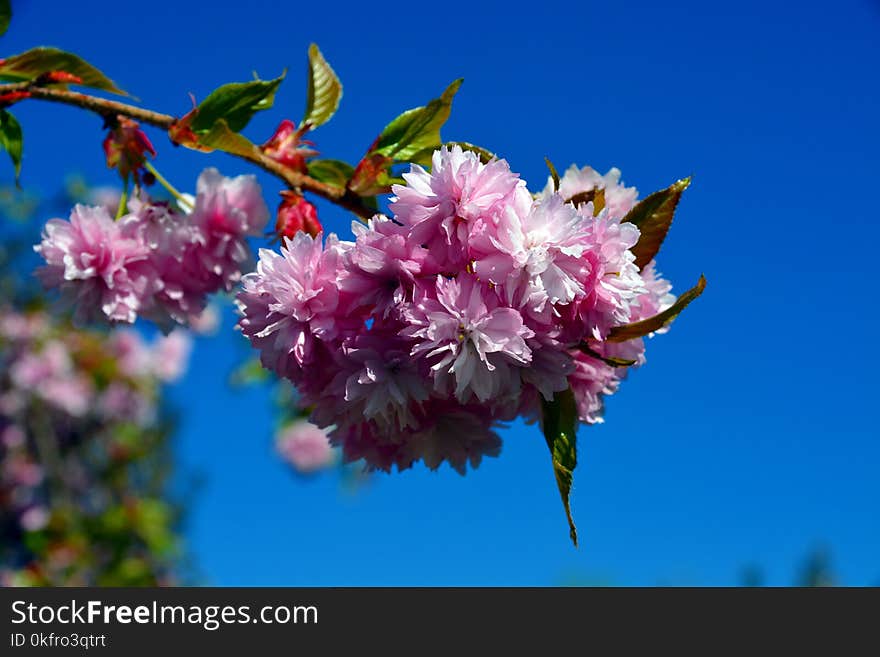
(553, 174)
(235, 103)
(32, 64)
(332, 172)
(653, 215)
(221, 137)
(417, 131)
(608, 360)
(658, 321)
(325, 90)
(11, 140)
(560, 421)
(152, 522)
(5, 15)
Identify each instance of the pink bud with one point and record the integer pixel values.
(287, 146)
(296, 214)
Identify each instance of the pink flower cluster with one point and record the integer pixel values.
(62, 385)
(457, 313)
(56, 367)
(154, 262)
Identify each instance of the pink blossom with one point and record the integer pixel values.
(98, 264)
(226, 211)
(166, 359)
(458, 435)
(444, 431)
(17, 326)
(72, 394)
(383, 380)
(34, 519)
(590, 382)
(614, 283)
(162, 229)
(442, 207)
(34, 368)
(305, 447)
(12, 436)
(457, 313)
(171, 355)
(291, 301)
(461, 327)
(380, 270)
(230, 205)
(619, 199)
(50, 374)
(133, 356)
(541, 253)
(657, 296)
(155, 262)
(206, 322)
(122, 402)
(551, 365)
(20, 470)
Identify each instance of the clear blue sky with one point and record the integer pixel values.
(751, 434)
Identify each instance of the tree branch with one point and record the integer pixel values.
(109, 108)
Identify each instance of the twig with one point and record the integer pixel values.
(109, 108)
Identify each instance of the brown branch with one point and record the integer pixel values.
(109, 108)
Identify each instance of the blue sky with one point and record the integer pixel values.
(750, 435)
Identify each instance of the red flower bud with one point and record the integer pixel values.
(287, 147)
(296, 214)
(126, 147)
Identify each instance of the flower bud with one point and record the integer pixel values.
(296, 214)
(126, 147)
(287, 146)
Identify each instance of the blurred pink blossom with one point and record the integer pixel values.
(305, 447)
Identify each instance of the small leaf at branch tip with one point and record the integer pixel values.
(658, 321)
(653, 216)
(36, 62)
(560, 420)
(415, 134)
(324, 90)
(332, 172)
(608, 360)
(11, 141)
(236, 103)
(553, 174)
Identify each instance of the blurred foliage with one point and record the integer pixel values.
(815, 571)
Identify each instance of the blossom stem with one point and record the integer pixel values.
(123, 202)
(344, 198)
(167, 185)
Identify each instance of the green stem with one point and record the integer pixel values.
(167, 185)
(123, 202)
